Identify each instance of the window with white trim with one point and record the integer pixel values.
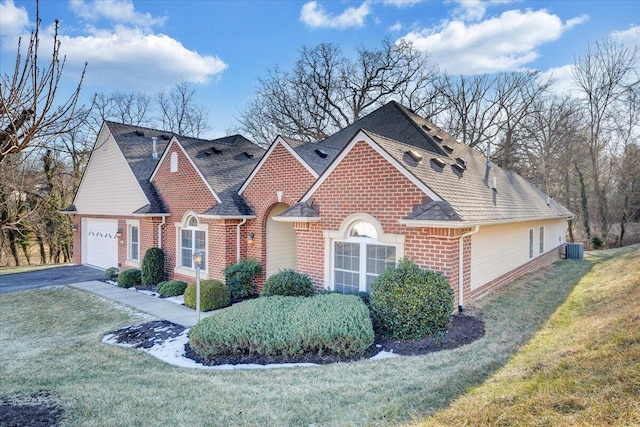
(174, 162)
(134, 242)
(192, 239)
(541, 240)
(360, 258)
(531, 243)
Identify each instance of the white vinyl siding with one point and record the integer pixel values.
(108, 186)
(498, 249)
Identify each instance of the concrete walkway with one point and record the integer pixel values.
(157, 307)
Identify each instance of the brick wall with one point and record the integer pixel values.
(281, 171)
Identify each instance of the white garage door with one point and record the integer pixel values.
(101, 243)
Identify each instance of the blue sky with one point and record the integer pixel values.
(224, 47)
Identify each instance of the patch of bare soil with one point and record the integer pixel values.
(37, 410)
(462, 330)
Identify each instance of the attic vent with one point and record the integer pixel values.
(462, 162)
(247, 155)
(216, 151)
(321, 153)
(165, 137)
(139, 133)
(417, 157)
(438, 162)
(438, 138)
(207, 153)
(448, 148)
(459, 167)
(427, 128)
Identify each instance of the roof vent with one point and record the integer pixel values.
(139, 133)
(216, 151)
(438, 161)
(165, 137)
(495, 183)
(459, 167)
(438, 138)
(207, 153)
(462, 162)
(321, 153)
(247, 155)
(427, 128)
(417, 157)
(448, 148)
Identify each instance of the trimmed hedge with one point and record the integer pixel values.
(153, 267)
(411, 303)
(288, 326)
(240, 277)
(213, 295)
(171, 288)
(130, 278)
(288, 283)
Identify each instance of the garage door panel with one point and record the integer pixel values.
(101, 243)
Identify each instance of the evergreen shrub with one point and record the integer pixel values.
(213, 295)
(240, 277)
(153, 267)
(171, 288)
(130, 278)
(288, 283)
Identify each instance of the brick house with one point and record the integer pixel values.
(391, 185)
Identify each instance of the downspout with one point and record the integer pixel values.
(241, 223)
(164, 220)
(461, 267)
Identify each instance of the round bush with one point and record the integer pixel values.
(411, 303)
(171, 288)
(240, 277)
(111, 273)
(153, 267)
(129, 278)
(288, 283)
(213, 295)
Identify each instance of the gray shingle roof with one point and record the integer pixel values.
(303, 209)
(222, 162)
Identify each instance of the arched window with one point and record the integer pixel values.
(192, 238)
(361, 252)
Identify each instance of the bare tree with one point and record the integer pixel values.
(30, 111)
(326, 91)
(604, 73)
(131, 108)
(179, 113)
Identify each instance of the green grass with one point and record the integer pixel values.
(581, 368)
(51, 340)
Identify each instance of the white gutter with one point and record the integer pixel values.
(296, 219)
(461, 266)
(164, 220)
(244, 221)
(464, 224)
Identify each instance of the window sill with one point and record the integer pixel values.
(190, 273)
(133, 264)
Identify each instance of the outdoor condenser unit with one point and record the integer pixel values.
(574, 250)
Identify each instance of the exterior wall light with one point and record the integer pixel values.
(250, 238)
(119, 232)
(74, 227)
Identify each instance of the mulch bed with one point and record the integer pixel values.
(462, 330)
(36, 410)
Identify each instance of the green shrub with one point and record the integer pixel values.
(288, 283)
(597, 242)
(288, 326)
(153, 267)
(411, 303)
(111, 273)
(129, 278)
(240, 277)
(213, 295)
(171, 288)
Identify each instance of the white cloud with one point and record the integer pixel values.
(315, 16)
(130, 59)
(401, 3)
(13, 20)
(561, 80)
(474, 10)
(396, 27)
(630, 36)
(503, 43)
(120, 11)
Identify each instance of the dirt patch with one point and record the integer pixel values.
(37, 410)
(462, 330)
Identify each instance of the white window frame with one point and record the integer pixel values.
(541, 243)
(173, 162)
(531, 243)
(190, 271)
(131, 260)
(342, 235)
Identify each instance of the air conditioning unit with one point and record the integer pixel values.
(574, 250)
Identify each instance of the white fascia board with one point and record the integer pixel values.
(281, 141)
(150, 215)
(226, 216)
(174, 140)
(362, 136)
(296, 219)
(465, 224)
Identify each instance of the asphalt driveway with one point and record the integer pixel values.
(48, 277)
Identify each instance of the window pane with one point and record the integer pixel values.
(363, 229)
(531, 243)
(346, 282)
(541, 239)
(134, 248)
(193, 221)
(200, 244)
(186, 245)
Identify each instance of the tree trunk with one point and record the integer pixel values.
(585, 205)
(43, 253)
(13, 247)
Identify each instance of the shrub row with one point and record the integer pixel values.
(288, 326)
(129, 278)
(213, 295)
(171, 288)
(288, 283)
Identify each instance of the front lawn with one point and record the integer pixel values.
(51, 340)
